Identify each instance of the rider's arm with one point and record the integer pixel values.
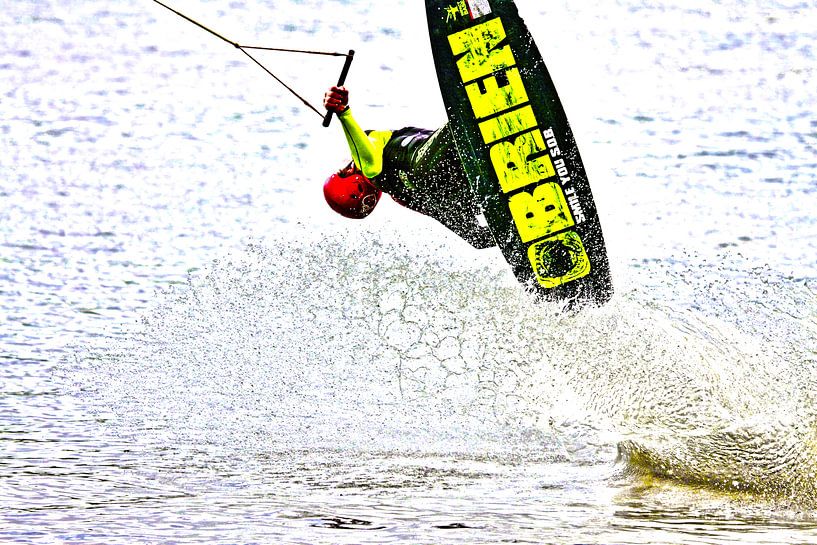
(367, 150)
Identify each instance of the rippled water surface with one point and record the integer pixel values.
(193, 350)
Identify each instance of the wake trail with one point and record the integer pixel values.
(355, 342)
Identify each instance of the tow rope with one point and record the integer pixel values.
(327, 116)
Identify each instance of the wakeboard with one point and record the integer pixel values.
(518, 150)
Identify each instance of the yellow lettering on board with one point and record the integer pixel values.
(507, 124)
(540, 255)
(541, 214)
(497, 99)
(512, 164)
(478, 45)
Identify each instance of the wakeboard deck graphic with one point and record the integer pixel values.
(517, 149)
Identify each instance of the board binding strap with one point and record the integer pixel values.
(518, 150)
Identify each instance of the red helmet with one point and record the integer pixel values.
(351, 196)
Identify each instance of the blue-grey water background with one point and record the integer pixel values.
(193, 349)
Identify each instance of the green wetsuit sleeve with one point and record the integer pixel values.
(367, 150)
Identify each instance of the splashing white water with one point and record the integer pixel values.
(307, 344)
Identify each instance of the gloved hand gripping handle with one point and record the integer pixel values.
(341, 80)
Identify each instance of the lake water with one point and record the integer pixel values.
(194, 349)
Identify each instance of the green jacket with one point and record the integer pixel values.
(421, 170)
